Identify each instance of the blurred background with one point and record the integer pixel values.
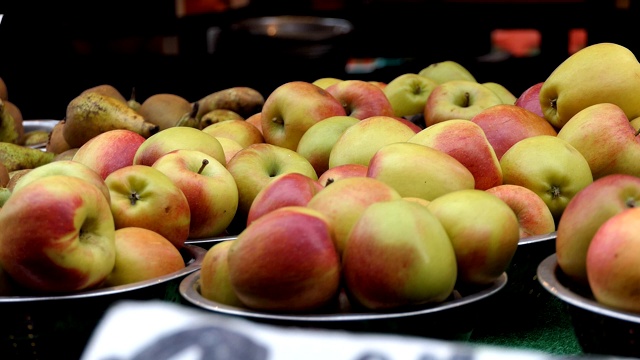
(54, 50)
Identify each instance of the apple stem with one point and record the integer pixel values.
(466, 99)
(554, 103)
(329, 182)
(555, 192)
(205, 162)
(134, 197)
(637, 132)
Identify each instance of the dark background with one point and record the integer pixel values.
(51, 51)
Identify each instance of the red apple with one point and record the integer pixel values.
(506, 124)
(265, 266)
(530, 99)
(215, 283)
(142, 254)
(142, 196)
(58, 235)
(361, 99)
(109, 151)
(284, 190)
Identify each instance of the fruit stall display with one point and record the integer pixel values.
(389, 195)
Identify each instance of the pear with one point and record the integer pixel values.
(444, 71)
(14, 177)
(4, 175)
(4, 94)
(108, 90)
(35, 138)
(16, 157)
(599, 73)
(168, 110)
(217, 115)
(66, 155)
(244, 101)
(133, 101)
(56, 142)
(9, 132)
(15, 112)
(91, 113)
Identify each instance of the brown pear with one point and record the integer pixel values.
(4, 94)
(56, 143)
(18, 119)
(91, 114)
(243, 100)
(218, 115)
(65, 155)
(167, 110)
(4, 175)
(107, 90)
(14, 177)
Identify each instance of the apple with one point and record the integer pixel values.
(141, 255)
(534, 216)
(458, 99)
(344, 201)
(256, 120)
(316, 143)
(505, 94)
(257, 165)
(290, 189)
(415, 127)
(143, 196)
(340, 172)
(505, 125)
(635, 123)
(549, 166)
(484, 232)
(178, 137)
(292, 108)
(109, 151)
(398, 254)
(241, 131)
(419, 171)
(466, 142)
(215, 283)
(265, 267)
(612, 262)
(380, 84)
(58, 235)
(361, 99)
(209, 187)
(325, 82)
(530, 99)
(360, 141)
(65, 167)
(585, 213)
(408, 93)
(418, 200)
(605, 137)
(448, 70)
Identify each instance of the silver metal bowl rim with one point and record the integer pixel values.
(301, 19)
(189, 292)
(194, 264)
(547, 276)
(538, 238)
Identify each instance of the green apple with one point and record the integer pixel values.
(230, 147)
(58, 235)
(325, 82)
(286, 261)
(500, 90)
(506, 124)
(612, 262)
(585, 213)
(178, 137)
(257, 165)
(209, 187)
(65, 167)
(548, 165)
(599, 73)
(215, 283)
(344, 201)
(398, 254)
(419, 171)
(290, 189)
(141, 255)
(241, 131)
(340, 172)
(292, 108)
(467, 143)
(408, 93)
(484, 232)
(361, 99)
(605, 137)
(447, 70)
(458, 99)
(316, 143)
(534, 216)
(143, 196)
(360, 141)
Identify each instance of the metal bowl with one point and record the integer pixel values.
(207, 243)
(58, 327)
(599, 329)
(450, 319)
(36, 125)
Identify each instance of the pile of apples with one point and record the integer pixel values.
(395, 193)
